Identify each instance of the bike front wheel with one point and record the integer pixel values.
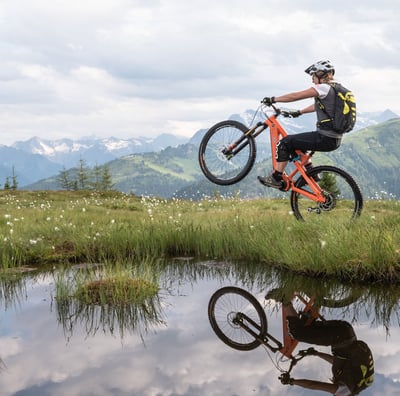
(237, 318)
(226, 156)
(343, 196)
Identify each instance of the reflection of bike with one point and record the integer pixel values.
(239, 320)
(227, 153)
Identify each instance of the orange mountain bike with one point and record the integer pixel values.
(227, 153)
(239, 320)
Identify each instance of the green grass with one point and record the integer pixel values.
(112, 297)
(84, 227)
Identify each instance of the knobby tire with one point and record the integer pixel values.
(343, 195)
(220, 168)
(227, 304)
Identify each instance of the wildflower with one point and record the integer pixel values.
(32, 241)
(323, 243)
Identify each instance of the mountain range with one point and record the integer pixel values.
(136, 164)
(37, 158)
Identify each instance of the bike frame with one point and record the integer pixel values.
(288, 344)
(277, 132)
(312, 312)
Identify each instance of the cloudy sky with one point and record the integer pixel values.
(125, 68)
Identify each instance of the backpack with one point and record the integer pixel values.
(356, 369)
(366, 366)
(344, 117)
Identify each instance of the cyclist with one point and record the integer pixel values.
(322, 74)
(351, 359)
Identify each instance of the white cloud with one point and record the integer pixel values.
(131, 68)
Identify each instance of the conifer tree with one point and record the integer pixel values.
(7, 185)
(83, 175)
(14, 184)
(106, 180)
(64, 179)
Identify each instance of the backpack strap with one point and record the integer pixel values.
(323, 108)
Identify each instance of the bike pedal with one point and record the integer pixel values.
(285, 186)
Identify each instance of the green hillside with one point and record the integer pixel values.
(160, 174)
(371, 155)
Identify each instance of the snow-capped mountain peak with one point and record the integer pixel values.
(68, 152)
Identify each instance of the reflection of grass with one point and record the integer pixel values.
(115, 291)
(12, 289)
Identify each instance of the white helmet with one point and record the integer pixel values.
(323, 66)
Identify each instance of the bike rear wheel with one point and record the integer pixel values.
(343, 196)
(220, 162)
(237, 318)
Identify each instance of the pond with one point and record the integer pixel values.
(46, 349)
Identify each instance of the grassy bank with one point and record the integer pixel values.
(58, 227)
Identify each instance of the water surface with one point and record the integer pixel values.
(48, 351)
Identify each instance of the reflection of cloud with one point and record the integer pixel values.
(185, 358)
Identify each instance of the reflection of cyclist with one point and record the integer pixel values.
(322, 74)
(351, 359)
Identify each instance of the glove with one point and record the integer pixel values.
(311, 351)
(268, 101)
(285, 379)
(294, 114)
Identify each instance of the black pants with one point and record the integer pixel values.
(333, 333)
(307, 141)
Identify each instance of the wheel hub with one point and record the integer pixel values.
(330, 202)
(234, 319)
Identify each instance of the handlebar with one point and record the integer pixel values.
(285, 377)
(278, 111)
(300, 355)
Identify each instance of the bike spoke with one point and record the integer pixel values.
(226, 156)
(237, 318)
(343, 198)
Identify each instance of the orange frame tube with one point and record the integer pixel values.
(276, 134)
